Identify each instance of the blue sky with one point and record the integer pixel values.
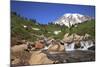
(46, 12)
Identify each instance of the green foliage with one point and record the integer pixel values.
(87, 27)
(17, 29)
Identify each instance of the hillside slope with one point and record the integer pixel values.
(25, 29)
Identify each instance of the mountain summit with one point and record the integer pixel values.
(70, 19)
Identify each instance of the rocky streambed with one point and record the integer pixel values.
(72, 56)
(41, 57)
(51, 51)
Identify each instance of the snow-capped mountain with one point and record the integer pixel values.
(70, 19)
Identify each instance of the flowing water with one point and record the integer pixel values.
(84, 45)
(72, 54)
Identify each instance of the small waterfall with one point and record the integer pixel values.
(84, 45)
(69, 47)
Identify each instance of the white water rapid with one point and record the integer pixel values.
(84, 45)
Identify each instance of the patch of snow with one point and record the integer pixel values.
(36, 29)
(25, 26)
(75, 25)
(57, 32)
(70, 19)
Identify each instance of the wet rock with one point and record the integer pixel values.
(77, 44)
(91, 48)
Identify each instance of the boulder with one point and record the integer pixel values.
(15, 61)
(68, 38)
(18, 48)
(86, 36)
(91, 48)
(77, 37)
(73, 37)
(39, 58)
(56, 48)
(15, 41)
(66, 35)
(62, 48)
(77, 44)
(53, 48)
(39, 45)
